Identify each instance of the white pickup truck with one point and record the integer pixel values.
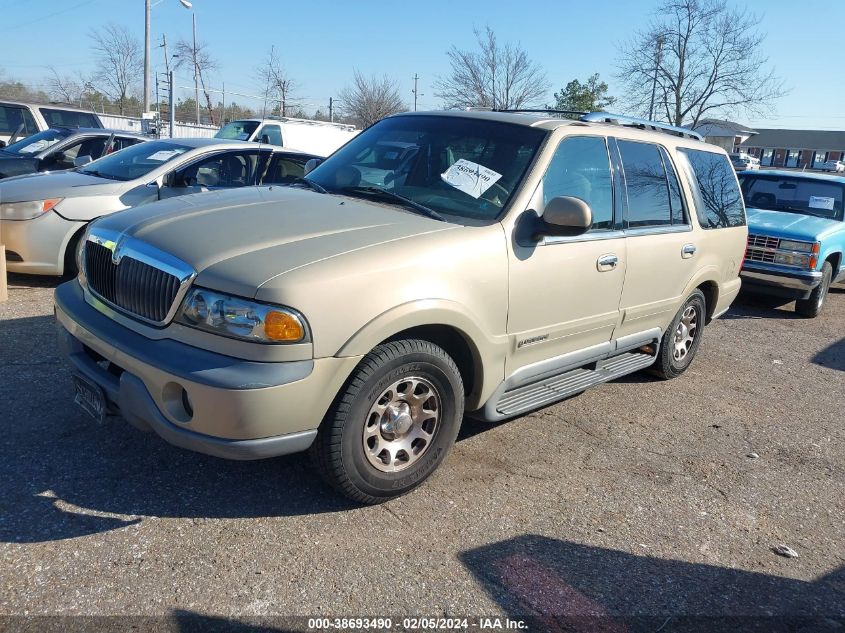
(20, 120)
(306, 135)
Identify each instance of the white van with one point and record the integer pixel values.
(315, 137)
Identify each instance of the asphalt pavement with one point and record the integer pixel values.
(638, 499)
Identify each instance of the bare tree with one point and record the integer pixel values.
(371, 99)
(279, 87)
(119, 60)
(200, 61)
(494, 76)
(697, 58)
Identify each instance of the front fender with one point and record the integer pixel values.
(488, 350)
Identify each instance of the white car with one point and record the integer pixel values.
(43, 215)
(836, 166)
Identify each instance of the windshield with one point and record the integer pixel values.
(37, 143)
(237, 130)
(820, 198)
(69, 118)
(453, 165)
(135, 161)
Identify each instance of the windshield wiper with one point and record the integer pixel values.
(384, 193)
(310, 184)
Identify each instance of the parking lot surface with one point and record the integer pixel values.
(637, 498)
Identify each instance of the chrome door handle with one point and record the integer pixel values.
(688, 251)
(607, 262)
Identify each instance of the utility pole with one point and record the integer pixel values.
(657, 61)
(171, 105)
(147, 10)
(331, 109)
(415, 91)
(196, 72)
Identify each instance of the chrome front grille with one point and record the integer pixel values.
(759, 255)
(130, 278)
(761, 248)
(762, 241)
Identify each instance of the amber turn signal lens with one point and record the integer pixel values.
(814, 258)
(49, 204)
(281, 326)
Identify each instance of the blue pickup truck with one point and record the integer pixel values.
(796, 235)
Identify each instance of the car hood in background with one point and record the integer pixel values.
(15, 165)
(60, 184)
(790, 225)
(239, 239)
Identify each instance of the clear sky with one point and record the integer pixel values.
(321, 43)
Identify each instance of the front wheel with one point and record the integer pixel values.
(393, 423)
(680, 342)
(812, 306)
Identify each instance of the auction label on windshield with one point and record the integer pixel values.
(471, 178)
(821, 202)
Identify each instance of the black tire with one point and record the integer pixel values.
(812, 305)
(338, 451)
(667, 365)
(70, 268)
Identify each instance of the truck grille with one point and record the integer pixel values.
(761, 248)
(762, 241)
(131, 285)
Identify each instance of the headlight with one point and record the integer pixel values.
(790, 259)
(791, 245)
(240, 318)
(26, 210)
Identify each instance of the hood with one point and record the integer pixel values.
(790, 225)
(60, 184)
(239, 239)
(15, 165)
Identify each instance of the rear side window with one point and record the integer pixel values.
(647, 186)
(273, 134)
(12, 117)
(718, 199)
(69, 118)
(581, 169)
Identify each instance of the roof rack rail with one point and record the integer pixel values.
(643, 124)
(543, 111)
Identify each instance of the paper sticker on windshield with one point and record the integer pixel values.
(164, 154)
(821, 202)
(243, 137)
(37, 146)
(469, 177)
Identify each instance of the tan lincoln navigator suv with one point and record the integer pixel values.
(437, 265)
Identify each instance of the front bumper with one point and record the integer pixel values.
(40, 243)
(779, 281)
(236, 409)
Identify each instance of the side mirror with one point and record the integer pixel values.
(565, 216)
(311, 164)
(79, 161)
(2, 144)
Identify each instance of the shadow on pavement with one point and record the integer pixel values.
(754, 306)
(17, 280)
(562, 586)
(832, 356)
(65, 476)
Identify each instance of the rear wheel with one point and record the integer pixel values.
(812, 306)
(680, 342)
(393, 423)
